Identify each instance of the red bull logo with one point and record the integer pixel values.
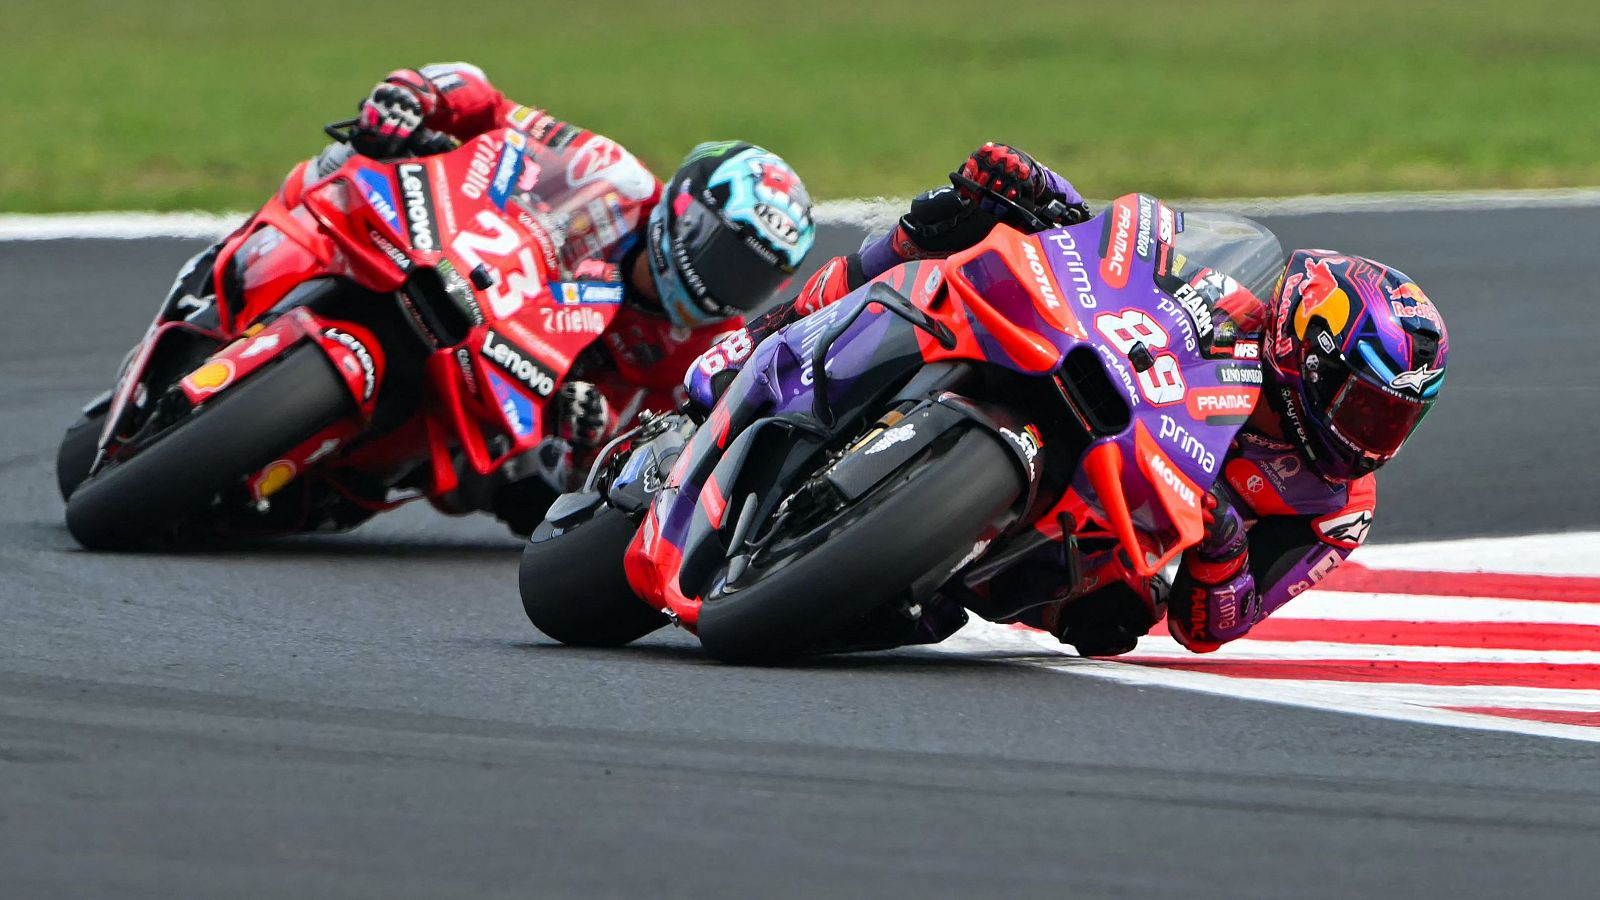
(1407, 301)
(1321, 295)
(1408, 291)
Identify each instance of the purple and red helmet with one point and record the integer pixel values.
(1357, 352)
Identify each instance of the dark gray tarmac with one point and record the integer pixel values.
(371, 715)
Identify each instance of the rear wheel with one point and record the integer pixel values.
(575, 590)
(142, 500)
(865, 556)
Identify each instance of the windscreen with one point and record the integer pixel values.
(1233, 245)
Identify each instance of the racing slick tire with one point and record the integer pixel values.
(140, 501)
(75, 456)
(575, 590)
(926, 515)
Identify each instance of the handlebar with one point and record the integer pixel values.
(423, 141)
(1035, 217)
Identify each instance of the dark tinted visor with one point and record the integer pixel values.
(1374, 420)
(720, 265)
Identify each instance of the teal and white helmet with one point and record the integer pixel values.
(732, 227)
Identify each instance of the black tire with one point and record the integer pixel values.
(574, 588)
(139, 501)
(76, 453)
(927, 516)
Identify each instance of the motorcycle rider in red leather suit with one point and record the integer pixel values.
(693, 255)
(1353, 356)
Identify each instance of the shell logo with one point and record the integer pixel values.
(211, 377)
(273, 478)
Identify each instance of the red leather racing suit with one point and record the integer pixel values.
(645, 354)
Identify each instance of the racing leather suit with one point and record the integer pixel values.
(1274, 527)
(640, 358)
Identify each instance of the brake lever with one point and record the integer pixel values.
(1028, 212)
(341, 131)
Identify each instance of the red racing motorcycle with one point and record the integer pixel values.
(380, 331)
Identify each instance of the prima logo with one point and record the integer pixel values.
(1067, 246)
(1190, 445)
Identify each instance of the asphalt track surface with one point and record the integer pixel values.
(371, 715)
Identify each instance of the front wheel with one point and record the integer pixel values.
(142, 500)
(868, 556)
(575, 590)
(76, 454)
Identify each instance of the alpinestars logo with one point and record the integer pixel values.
(1416, 379)
(1348, 530)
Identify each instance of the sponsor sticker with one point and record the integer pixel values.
(1239, 374)
(896, 435)
(573, 320)
(1118, 249)
(1348, 530)
(1221, 403)
(1188, 444)
(507, 169)
(1416, 379)
(1179, 486)
(1041, 278)
(417, 197)
(518, 409)
(260, 345)
(211, 377)
(518, 363)
(593, 160)
(369, 372)
(273, 478)
(379, 194)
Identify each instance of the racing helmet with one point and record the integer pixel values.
(733, 225)
(1357, 353)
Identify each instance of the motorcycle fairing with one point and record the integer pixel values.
(1023, 303)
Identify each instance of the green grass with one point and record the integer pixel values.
(160, 104)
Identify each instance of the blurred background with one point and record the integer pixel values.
(172, 104)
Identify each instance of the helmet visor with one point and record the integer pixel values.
(722, 266)
(1373, 420)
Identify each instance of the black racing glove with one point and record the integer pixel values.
(393, 113)
(946, 220)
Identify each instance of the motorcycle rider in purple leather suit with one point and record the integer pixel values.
(1353, 355)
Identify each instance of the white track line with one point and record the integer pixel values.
(869, 214)
(1166, 648)
(1560, 554)
(1575, 553)
(1360, 607)
(1399, 702)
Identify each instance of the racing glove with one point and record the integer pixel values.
(1214, 598)
(582, 415)
(393, 113)
(948, 219)
(1017, 176)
